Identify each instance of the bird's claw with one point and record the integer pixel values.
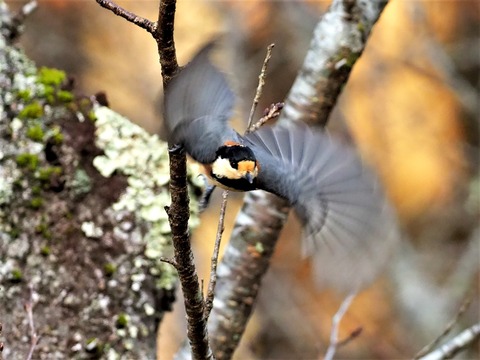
(207, 194)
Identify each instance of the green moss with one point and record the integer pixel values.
(16, 275)
(49, 76)
(31, 111)
(109, 269)
(56, 135)
(49, 94)
(122, 321)
(24, 95)
(64, 96)
(14, 233)
(36, 203)
(361, 27)
(36, 190)
(43, 230)
(91, 116)
(35, 133)
(47, 173)
(45, 250)
(27, 160)
(94, 346)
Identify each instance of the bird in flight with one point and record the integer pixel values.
(348, 226)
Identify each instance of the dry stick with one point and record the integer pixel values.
(216, 251)
(33, 334)
(261, 84)
(332, 348)
(270, 113)
(463, 307)
(178, 212)
(1, 343)
(455, 345)
(130, 17)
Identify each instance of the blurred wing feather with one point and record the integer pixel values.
(348, 226)
(198, 104)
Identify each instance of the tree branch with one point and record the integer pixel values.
(130, 17)
(31, 325)
(463, 307)
(216, 250)
(164, 37)
(261, 84)
(338, 41)
(455, 345)
(334, 342)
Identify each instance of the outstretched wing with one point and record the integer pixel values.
(347, 222)
(198, 104)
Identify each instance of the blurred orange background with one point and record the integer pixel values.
(411, 106)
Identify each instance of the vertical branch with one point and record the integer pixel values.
(338, 41)
(261, 84)
(164, 37)
(179, 212)
(216, 250)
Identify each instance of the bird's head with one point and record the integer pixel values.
(235, 166)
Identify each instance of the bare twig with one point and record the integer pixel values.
(457, 344)
(261, 84)
(216, 250)
(463, 307)
(168, 261)
(146, 24)
(33, 334)
(1, 343)
(353, 335)
(334, 343)
(270, 113)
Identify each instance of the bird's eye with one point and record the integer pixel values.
(234, 164)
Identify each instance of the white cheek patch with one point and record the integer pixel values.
(221, 168)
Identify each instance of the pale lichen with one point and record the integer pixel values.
(143, 158)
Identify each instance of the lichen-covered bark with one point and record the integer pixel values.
(338, 41)
(82, 220)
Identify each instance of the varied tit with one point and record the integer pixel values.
(347, 223)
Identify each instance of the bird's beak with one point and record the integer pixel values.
(249, 177)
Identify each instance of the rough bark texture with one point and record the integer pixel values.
(82, 220)
(337, 43)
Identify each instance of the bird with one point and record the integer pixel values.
(348, 224)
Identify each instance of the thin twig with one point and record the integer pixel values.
(168, 261)
(33, 334)
(270, 113)
(353, 335)
(457, 344)
(261, 84)
(334, 343)
(1, 343)
(216, 251)
(146, 24)
(463, 307)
